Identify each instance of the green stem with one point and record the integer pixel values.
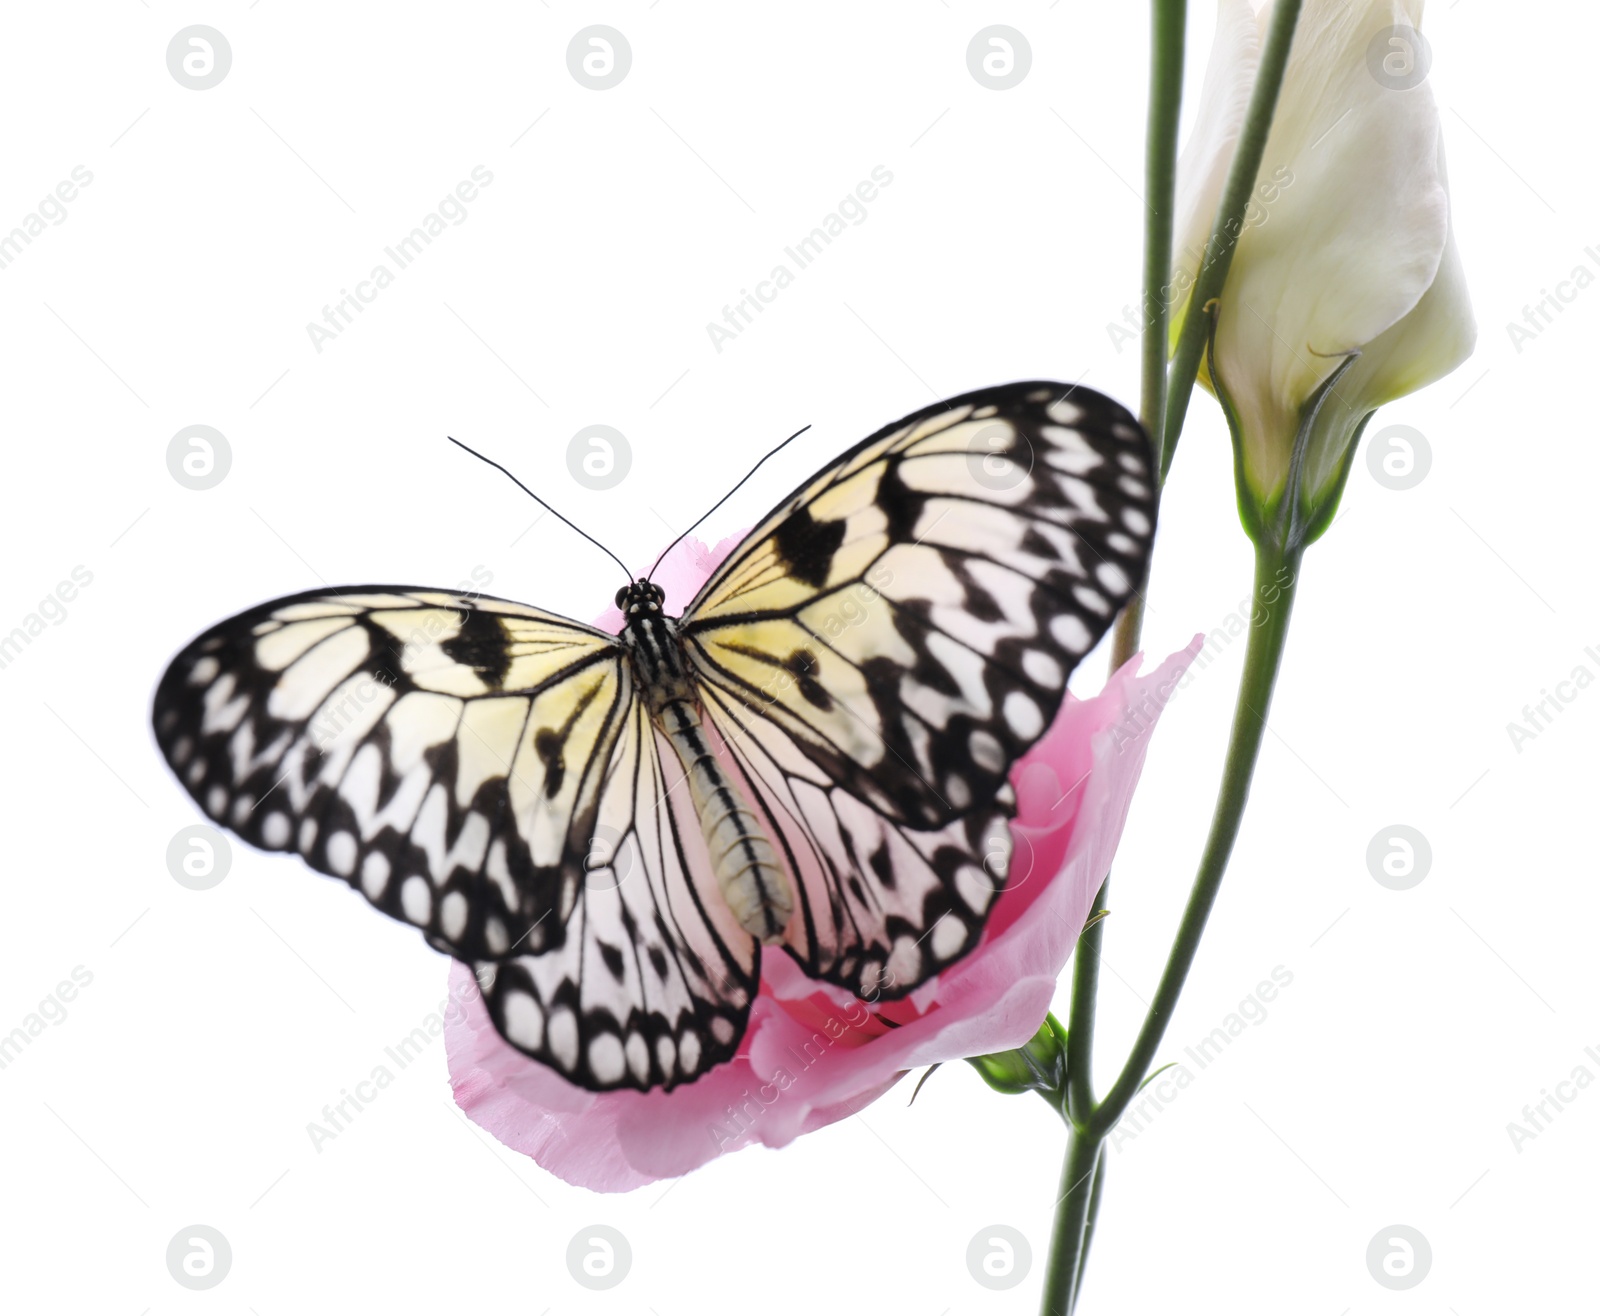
(1229, 223)
(1069, 1242)
(1276, 582)
(1096, 1188)
(1126, 634)
(1277, 579)
(1164, 403)
(1167, 22)
(1080, 1022)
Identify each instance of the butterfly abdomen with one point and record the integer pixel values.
(748, 872)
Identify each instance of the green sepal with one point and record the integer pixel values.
(1287, 521)
(1039, 1065)
(1328, 505)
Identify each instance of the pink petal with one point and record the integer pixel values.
(815, 1054)
(998, 995)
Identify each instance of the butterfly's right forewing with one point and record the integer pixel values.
(437, 751)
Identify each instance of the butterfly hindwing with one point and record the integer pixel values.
(880, 906)
(905, 624)
(653, 983)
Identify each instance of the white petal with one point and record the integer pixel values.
(1426, 344)
(1348, 247)
(1203, 164)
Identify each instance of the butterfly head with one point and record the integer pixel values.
(641, 598)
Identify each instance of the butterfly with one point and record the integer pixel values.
(611, 828)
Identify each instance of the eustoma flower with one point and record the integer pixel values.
(1346, 290)
(814, 1054)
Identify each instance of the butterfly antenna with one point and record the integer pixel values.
(545, 505)
(726, 496)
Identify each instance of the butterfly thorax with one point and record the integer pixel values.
(659, 665)
(748, 873)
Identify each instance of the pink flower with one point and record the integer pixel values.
(813, 1053)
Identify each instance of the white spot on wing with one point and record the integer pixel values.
(638, 1057)
(222, 711)
(1071, 633)
(562, 1038)
(1042, 668)
(1023, 716)
(416, 899)
(949, 935)
(974, 888)
(524, 1020)
(275, 830)
(986, 751)
(903, 960)
(1112, 577)
(605, 1057)
(341, 852)
(1092, 599)
(957, 793)
(453, 915)
(374, 874)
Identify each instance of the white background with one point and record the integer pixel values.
(177, 291)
